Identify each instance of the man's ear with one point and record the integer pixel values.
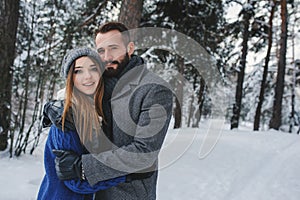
(130, 48)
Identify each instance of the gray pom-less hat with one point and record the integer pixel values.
(73, 54)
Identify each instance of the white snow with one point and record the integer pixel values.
(243, 165)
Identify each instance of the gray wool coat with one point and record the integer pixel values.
(141, 107)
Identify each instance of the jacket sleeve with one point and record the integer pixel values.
(52, 114)
(142, 153)
(70, 141)
(83, 187)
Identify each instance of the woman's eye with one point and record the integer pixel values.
(100, 51)
(77, 71)
(94, 69)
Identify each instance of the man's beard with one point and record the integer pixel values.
(111, 72)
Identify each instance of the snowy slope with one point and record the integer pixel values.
(243, 165)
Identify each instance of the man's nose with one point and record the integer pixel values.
(107, 56)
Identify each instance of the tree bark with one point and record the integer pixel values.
(265, 72)
(26, 93)
(9, 14)
(200, 102)
(179, 95)
(241, 73)
(275, 122)
(293, 32)
(131, 13)
(191, 111)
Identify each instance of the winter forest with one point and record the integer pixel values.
(249, 51)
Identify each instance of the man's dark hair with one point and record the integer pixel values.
(110, 26)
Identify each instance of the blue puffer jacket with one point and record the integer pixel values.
(54, 189)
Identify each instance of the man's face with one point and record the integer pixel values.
(112, 51)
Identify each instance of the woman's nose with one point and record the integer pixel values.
(88, 74)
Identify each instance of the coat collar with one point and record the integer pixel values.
(128, 81)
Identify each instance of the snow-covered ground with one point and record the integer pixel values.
(243, 165)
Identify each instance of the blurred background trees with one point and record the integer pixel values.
(253, 44)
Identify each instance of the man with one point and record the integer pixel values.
(137, 107)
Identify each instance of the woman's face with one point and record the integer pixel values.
(86, 75)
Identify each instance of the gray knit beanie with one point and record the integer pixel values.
(73, 54)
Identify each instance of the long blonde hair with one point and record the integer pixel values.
(86, 111)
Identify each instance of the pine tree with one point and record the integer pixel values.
(9, 14)
(131, 13)
(266, 67)
(200, 20)
(247, 14)
(276, 117)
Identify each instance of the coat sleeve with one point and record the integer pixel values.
(52, 114)
(70, 141)
(83, 187)
(142, 153)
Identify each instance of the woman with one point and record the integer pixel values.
(83, 105)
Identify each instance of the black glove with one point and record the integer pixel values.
(68, 165)
(138, 176)
(143, 174)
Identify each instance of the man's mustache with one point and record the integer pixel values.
(111, 62)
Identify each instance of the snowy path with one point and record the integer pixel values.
(244, 165)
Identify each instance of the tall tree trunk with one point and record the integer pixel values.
(200, 102)
(195, 113)
(179, 94)
(131, 13)
(241, 73)
(275, 122)
(293, 32)
(177, 114)
(37, 116)
(9, 14)
(265, 72)
(191, 111)
(25, 97)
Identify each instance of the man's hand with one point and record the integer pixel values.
(68, 165)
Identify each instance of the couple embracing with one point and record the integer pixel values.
(108, 129)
